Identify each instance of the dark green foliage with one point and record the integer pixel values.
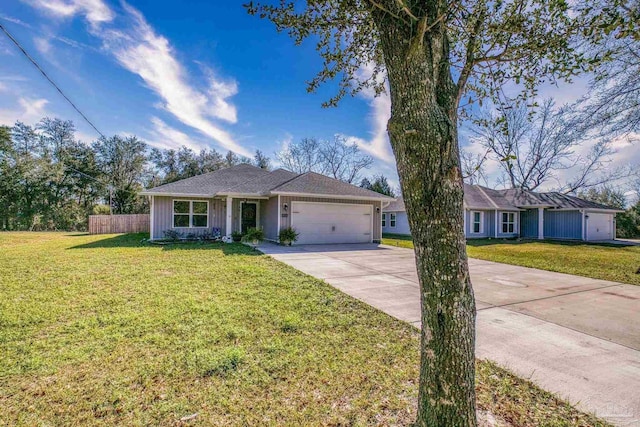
(174, 165)
(628, 222)
(261, 161)
(379, 185)
(253, 235)
(288, 235)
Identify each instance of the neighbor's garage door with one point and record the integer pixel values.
(332, 222)
(599, 226)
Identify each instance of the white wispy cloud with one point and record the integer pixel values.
(96, 12)
(138, 48)
(166, 137)
(28, 110)
(15, 21)
(378, 144)
(42, 45)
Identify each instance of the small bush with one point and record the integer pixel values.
(253, 235)
(288, 236)
(236, 236)
(172, 235)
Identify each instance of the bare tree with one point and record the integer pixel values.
(335, 158)
(343, 161)
(534, 145)
(612, 106)
(302, 156)
(473, 166)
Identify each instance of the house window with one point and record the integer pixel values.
(384, 219)
(190, 214)
(392, 220)
(477, 223)
(508, 222)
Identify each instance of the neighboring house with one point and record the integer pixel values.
(520, 213)
(321, 209)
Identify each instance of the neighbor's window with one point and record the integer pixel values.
(384, 219)
(508, 222)
(476, 226)
(190, 214)
(392, 220)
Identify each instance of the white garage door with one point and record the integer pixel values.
(332, 223)
(599, 226)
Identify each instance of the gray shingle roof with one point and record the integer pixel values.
(211, 183)
(314, 183)
(263, 184)
(478, 197)
(249, 180)
(397, 206)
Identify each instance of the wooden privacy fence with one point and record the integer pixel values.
(106, 224)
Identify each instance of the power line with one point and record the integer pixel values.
(33, 61)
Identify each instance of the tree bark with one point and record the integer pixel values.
(423, 134)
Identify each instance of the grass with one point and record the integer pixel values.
(600, 261)
(106, 330)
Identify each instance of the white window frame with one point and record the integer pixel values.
(384, 219)
(514, 223)
(473, 222)
(190, 213)
(392, 220)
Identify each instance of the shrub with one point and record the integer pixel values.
(254, 235)
(172, 235)
(101, 210)
(288, 236)
(236, 236)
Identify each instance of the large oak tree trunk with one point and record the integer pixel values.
(423, 133)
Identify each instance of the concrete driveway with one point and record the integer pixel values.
(574, 336)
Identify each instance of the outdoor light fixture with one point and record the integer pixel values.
(285, 207)
(377, 210)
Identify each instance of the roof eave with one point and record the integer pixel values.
(174, 194)
(333, 196)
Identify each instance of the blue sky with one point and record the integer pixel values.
(202, 75)
(206, 75)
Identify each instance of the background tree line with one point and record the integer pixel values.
(49, 180)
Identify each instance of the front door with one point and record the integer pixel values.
(248, 216)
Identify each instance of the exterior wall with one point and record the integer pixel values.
(562, 224)
(529, 223)
(236, 212)
(163, 216)
(502, 235)
(270, 218)
(285, 221)
(402, 224)
(489, 220)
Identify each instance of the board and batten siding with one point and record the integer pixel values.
(236, 212)
(163, 216)
(562, 224)
(271, 218)
(488, 221)
(402, 224)
(502, 235)
(529, 223)
(285, 221)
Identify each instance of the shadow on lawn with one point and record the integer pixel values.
(489, 242)
(139, 240)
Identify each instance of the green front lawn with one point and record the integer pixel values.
(108, 330)
(600, 261)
